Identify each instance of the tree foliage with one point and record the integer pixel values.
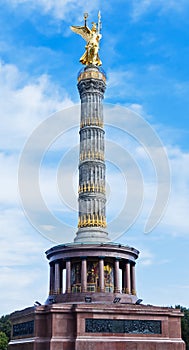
(5, 326)
(184, 325)
(3, 341)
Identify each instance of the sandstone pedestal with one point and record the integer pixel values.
(96, 326)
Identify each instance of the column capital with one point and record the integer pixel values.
(130, 262)
(57, 261)
(117, 258)
(91, 86)
(67, 259)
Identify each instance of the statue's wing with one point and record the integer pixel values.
(83, 31)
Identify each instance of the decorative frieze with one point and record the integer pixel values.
(123, 326)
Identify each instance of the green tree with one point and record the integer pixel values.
(5, 326)
(184, 325)
(3, 341)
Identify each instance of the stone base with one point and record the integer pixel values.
(96, 327)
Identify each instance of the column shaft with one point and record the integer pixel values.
(101, 275)
(68, 276)
(84, 275)
(91, 89)
(51, 282)
(133, 282)
(116, 282)
(128, 278)
(123, 280)
(57, 278)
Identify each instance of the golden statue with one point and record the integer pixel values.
(92, 37)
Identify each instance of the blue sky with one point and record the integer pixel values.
(145, 53)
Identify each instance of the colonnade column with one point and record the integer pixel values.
(101, 274)
(84, 275)
(68, 276)
(57, 278)
(123, 280)
(133, 281)
(128, 278)
(116, 279)
(51, 282)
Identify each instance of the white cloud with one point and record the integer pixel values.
(22, 265)
(137, 108)
(181, 88)
(60, 9)
(8, 179)
(64, 9)
(24, 103)
(120, 84)
(141, 7)
(21, 287)
(17, 242)
(146, 258)
(125, 85)
(176, 218)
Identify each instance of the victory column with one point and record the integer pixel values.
(92, 302)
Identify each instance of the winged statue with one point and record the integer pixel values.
(92, 37)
